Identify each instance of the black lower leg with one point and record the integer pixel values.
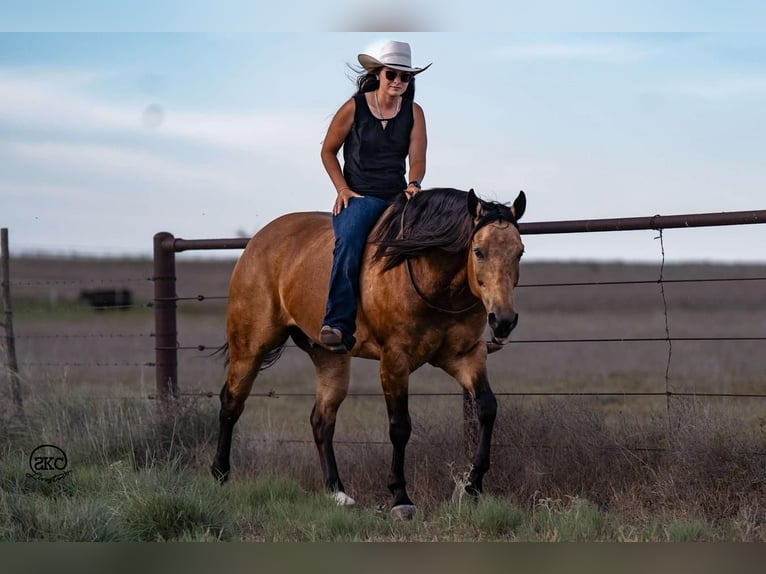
(323, 434)
(400, 428)
(227, 419)
(486, 405)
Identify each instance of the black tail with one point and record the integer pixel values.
(222, 350)
(271, 358)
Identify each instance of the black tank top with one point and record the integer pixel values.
(374, 157)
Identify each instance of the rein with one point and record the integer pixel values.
(418, 291)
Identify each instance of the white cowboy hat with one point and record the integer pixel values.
(394, 55)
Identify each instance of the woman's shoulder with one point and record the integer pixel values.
(347, 107)
(417, 111)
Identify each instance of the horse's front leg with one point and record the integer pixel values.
(470, 370)
(486, 410)
(394, 378)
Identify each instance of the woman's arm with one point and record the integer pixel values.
(333, 141)
(417, 151)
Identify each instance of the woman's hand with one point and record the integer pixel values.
(411, 190)
(341, 201)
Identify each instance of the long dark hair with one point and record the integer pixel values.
(368, 82)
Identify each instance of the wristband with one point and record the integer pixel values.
(415, 182)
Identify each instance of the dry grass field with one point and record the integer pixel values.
(570, 423)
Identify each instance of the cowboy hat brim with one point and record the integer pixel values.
(371, 64)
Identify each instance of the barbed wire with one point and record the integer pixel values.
(49, 282)
(203, 348)
(79, 364)
(86, 336)
(642, 282)
(660, 280)
(272, 394)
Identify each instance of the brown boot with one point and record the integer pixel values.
(333, 339)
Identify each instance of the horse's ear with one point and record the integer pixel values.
(519, 205)
(474, 205)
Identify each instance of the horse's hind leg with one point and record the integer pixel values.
(240, 375)
(394, 378)
(332, 376)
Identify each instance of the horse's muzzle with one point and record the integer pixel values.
(501, 328)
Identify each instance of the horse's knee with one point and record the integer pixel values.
(325, 409)
(232, 403)
(318, 422)
(230, 412)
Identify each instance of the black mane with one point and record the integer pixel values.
(436, 218)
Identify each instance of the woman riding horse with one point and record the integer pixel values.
(437, 269)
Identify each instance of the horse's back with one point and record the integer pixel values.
(284, 271)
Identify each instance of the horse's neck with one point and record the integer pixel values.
(440, 273)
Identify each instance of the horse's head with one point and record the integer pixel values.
(493, 260)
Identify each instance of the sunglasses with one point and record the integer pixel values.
(405, 77)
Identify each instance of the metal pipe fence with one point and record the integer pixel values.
(165, 297)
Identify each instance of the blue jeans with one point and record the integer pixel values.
(351, 226)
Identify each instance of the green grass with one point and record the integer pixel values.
(574, 520)
(140, 473)
(170, 500)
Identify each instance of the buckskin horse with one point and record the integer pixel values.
(437, 269)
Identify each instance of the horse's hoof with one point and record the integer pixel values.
(342, 499)
(403, 512)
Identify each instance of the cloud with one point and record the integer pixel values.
(76, 163)
(608, 51)
(61, 132)
(714, 88)
(61, 103)
(54, 100)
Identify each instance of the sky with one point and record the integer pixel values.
(108, 136)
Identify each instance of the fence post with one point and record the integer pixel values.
(10, 341)
(165, 333)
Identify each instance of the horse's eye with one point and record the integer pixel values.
(478, 253)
